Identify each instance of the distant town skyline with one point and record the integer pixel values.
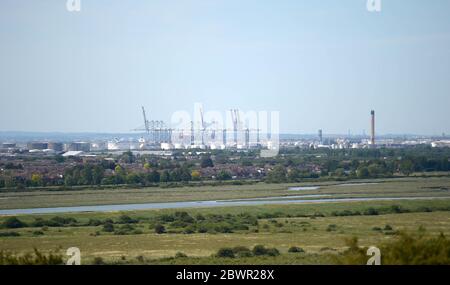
(321, 64)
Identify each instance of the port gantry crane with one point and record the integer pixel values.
(238, 126)
(159, 132)
(156, 129)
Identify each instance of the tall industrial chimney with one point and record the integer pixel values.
(320, 137)
(372, 128)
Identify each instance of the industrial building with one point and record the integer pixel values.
(79, 146)
(56, 146)
(37, 145)
(8, 145)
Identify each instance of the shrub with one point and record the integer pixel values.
(242, 251)
(279, 225)
(98, 261)
(345, 213)
(184, 217)
(202, 229)
(94, 222)
(199, 217)
(388, 228)
(61, 221)
(425, 209)
(223, 175)
(39, 222)
(13, 223)
(272, 252)
(180, 255)
(108, 221)
(166, 218)
(54, 222)
(124, 219)
(225, 252)
(371, 212)
(240, 227)
(295, 249)
(160, 229)
(178, 224)
(189, 230)
(206, 162)
(259, 250)
(331, 228)
(108, 227)
(38, 233)
(223, 229)
(125, 230)
(244, 254)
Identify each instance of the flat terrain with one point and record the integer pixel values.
(311, 233)
(319, 228)
(400, 187)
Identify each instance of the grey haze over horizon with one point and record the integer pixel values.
(321, 64)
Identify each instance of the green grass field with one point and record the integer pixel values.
(319, 228)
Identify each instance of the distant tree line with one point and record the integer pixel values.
(291, 165)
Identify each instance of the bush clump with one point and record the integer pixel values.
(38, 233)
(159, 229)
(295, 249)
(108, 227)
(345, 213)
(13, 223)
(260, 250)
(182, 222)
(388, 228)
(126, 229)
(56, 221)
(242, 251)
(225, 253)
(94, 222)
(98, 261)
(180, 255)
(332, 228)
(124, 219)
(371, 212)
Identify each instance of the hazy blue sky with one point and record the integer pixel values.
(321, 63)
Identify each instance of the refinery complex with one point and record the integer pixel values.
(155, 136)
